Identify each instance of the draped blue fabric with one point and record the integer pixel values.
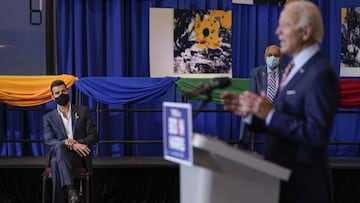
(111, 39)
(120, 93)
(124, 90)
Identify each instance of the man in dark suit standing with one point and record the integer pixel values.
(69, 133)
(263, 78)
(299, 122)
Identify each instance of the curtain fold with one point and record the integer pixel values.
(34, 90)
(238, 85)
(29, 90)
(350, 93)
(111, 39)
(123, 90)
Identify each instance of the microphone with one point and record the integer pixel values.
(207, 88)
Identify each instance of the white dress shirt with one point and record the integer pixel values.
(67, 121)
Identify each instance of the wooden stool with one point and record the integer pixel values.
(78, 173)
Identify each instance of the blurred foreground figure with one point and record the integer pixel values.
(298, 123)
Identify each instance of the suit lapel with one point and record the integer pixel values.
(295, 80)
(300, 74)
(263, 76)
(280, 72)
(59, 123)
(74, 118)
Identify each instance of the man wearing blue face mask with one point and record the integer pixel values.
(263, 78)
(69, 134)
(267, 78)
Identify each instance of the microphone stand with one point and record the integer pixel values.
(203, 104)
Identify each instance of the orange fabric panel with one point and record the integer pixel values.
(29, 90)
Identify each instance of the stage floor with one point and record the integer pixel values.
(136, 179)
(98, 162)
(121, 162)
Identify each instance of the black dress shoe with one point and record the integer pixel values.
(242, 145)
(73, 196)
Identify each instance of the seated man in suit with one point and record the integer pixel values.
(69, 133)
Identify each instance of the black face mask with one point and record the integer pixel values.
(63, 99)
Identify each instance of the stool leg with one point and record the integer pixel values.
(81, 187)
(87, 189)
(44, 189)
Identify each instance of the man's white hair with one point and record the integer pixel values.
(309, 15)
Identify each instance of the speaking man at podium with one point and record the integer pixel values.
(299, 122)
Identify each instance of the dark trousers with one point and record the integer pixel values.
(62, 161)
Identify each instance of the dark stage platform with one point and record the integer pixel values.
(98, 162)
(115, 179)
(125, 162)
(136, 180)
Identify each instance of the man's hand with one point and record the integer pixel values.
(69, 143)
(259, 105)
(81, 149)
(235, 103)
(247, 103)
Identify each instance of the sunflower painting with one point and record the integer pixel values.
(202, 42)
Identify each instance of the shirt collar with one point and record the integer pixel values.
(300, 59)
(268, 70)
(304, 56)
(58, 110)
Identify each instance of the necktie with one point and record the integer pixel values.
(271, 90)
(286, 73)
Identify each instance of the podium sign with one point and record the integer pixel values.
(177, 132)
(223, 174)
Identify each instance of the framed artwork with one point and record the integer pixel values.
(264, 2)
(190, 43)
(350, 42)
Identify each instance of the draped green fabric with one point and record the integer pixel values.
(238, 85)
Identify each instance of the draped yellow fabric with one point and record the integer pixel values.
(29, 90)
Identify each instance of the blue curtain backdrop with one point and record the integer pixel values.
(111, 39)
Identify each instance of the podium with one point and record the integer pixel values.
(223, 174)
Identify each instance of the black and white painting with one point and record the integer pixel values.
(350, 42)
